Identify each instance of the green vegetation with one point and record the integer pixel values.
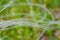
(29, 19)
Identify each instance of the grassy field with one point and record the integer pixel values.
(29, 19)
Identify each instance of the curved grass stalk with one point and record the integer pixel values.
(53, 22)
(24, 23)
(40, 5)
(36, 5)
(9, 23)
(42, 33)
(6, 6)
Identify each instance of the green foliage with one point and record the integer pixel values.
(38, 15)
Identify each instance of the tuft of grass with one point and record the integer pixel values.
(27, 20)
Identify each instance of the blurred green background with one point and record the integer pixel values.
(20, 9)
